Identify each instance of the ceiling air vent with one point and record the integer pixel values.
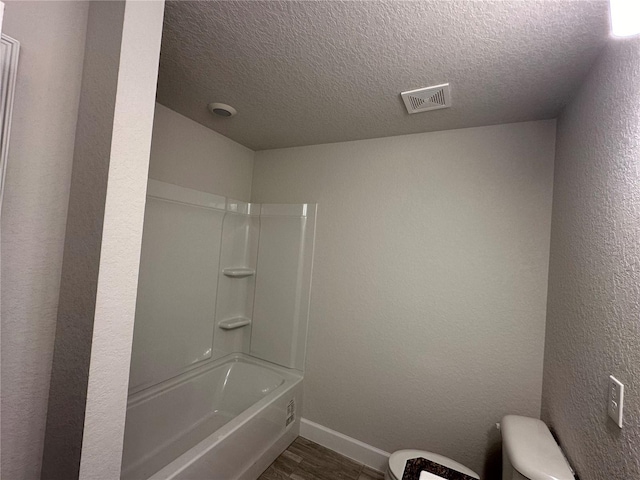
(425, 99)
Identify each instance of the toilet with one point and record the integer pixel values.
(398, 459)
(529, 452)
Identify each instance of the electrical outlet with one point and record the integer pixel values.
(616, 400)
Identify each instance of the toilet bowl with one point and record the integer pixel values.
(398, 460)
(529, 452)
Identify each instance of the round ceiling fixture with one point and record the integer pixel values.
(222, 109)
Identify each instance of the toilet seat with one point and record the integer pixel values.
(398, 460)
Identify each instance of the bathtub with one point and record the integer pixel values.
(227, 420)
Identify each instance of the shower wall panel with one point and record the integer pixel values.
(178, 281)
(283, 283)
(240, 234)
(219, 276)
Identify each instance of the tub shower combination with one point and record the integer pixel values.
(220, 336)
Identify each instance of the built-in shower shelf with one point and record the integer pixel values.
(235, 322)
(239, 272)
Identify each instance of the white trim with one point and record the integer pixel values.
(238, 206)
(285, 209)
(349, 447)
(10, 49)
(1, 189)
(175, 193)
(188, 196)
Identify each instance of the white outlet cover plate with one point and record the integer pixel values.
(616, 400)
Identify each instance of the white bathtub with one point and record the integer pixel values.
(224, 421)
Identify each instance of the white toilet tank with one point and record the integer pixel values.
(529, 451)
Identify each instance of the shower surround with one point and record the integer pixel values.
(220, 335)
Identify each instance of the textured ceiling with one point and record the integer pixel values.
(310, 72)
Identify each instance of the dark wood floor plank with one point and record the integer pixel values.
(287, 462)
(306, 460)
(273, 473)
(327, 470)
(370, 474)
(291, 456)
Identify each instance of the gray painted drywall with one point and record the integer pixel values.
(593, 327)
(185, 153)
(103, 436)
(52, 36)
(87, 402)
(429, 285)
(76, 308)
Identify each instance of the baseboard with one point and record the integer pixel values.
(349, 447)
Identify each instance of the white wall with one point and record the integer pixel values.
(52, 36)
(185, 153)
(594, 280)
(429, 285)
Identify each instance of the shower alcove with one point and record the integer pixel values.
(220, 335)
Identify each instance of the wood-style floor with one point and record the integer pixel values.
(306, 460)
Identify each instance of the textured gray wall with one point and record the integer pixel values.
(34, 216)
(88, 390)
(81, 263)
(593, 327)
(103, 434)
(430, 282)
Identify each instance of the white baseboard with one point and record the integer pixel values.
(349, 447)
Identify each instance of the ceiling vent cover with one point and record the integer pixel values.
(425, 99)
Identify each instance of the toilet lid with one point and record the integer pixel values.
(398, 460)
